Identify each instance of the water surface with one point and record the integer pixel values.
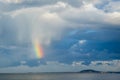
(60, 76)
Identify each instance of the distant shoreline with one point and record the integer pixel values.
(90, 71)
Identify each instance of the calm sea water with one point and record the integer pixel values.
(60, 76)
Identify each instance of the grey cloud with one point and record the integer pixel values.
(113, 7)
(14, 5)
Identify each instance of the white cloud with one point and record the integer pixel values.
(61, 67)
(78, 45)
(89, 14)
(23, 62)
(80, 63)
(113, 18)
(82, 41)
(113, 65)
(50, 67)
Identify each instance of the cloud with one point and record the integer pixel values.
(106, 65)
(78, 44)
(41, 2)
(49, 23)
(11, 1)
(10, 5)
(23, 62)
(80, 63)
(61, 67)
(86, 16)
(113, 7)
(82, 41)
(49, 67)
(36, 23)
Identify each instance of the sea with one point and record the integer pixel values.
(61, 76)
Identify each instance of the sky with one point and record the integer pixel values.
(59, 35)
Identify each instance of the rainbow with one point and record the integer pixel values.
(38, 49)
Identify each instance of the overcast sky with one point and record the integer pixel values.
(74, 35)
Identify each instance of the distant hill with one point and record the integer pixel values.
(94, 71)
(89, 71)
